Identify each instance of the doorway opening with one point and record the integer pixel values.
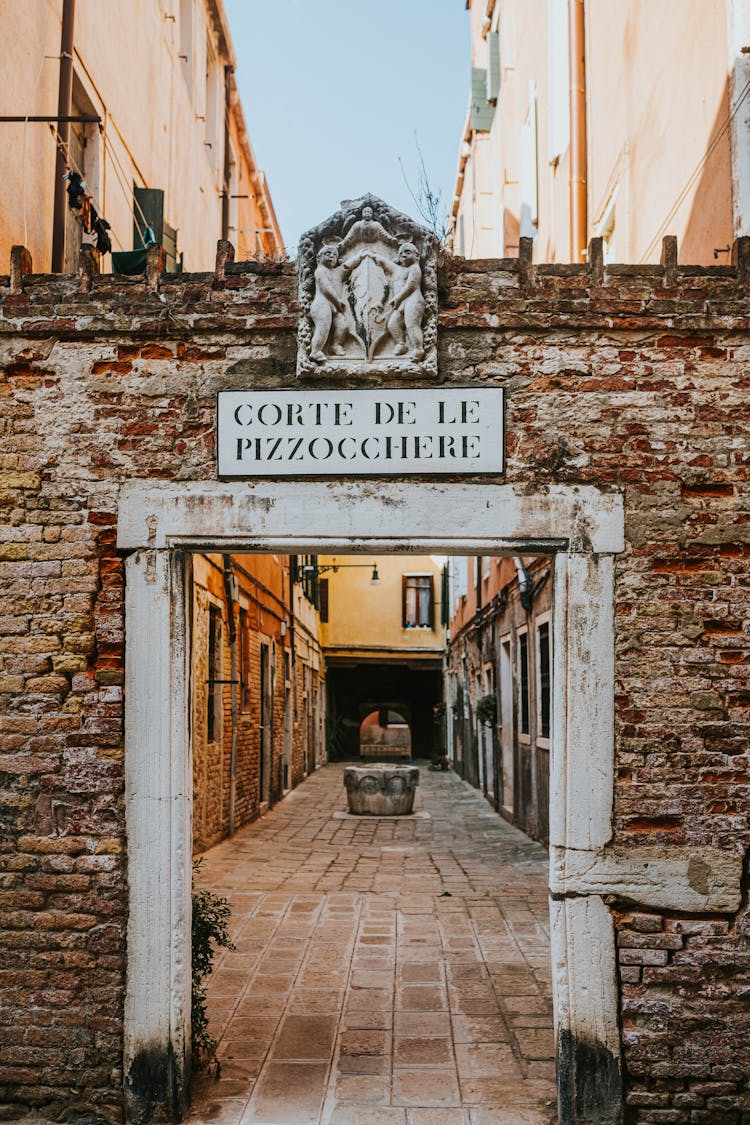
(580, 527)
(380, 659)
(384, 734)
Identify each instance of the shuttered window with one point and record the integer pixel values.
(545, 679)
(323, 599)
(523, 681)
(245, 659)
(213, 716)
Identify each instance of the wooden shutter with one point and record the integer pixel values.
(323, 599)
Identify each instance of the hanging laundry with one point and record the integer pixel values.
(76, 189)
(93, 223)
(103, 241)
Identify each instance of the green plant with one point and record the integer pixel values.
(210, 932)
(487, 708)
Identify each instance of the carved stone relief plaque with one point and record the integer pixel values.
(367, 293)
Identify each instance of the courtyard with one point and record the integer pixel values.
(386, 971)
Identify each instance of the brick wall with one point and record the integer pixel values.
(212, 758)
(685, 1017)
(633, 378)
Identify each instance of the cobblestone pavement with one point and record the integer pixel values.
(387, 972)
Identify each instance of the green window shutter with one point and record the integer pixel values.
(493, 66)
(481, 112)
(149, 206)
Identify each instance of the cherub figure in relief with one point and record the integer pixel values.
(329, 311)
(407, 303)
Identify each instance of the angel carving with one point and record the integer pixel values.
(330, 311)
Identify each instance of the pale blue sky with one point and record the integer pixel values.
(334, 92)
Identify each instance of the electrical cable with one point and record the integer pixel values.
(696, 172)
(116, 164)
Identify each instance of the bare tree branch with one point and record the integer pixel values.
(428, 203)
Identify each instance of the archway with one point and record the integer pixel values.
(161, 525)
(384, 734)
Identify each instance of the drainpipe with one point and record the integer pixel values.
(64, 98)
(228, 71)
(578, 137)
(230, 589)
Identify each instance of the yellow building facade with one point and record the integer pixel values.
(383, 635)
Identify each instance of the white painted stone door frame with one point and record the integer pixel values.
(159, 525)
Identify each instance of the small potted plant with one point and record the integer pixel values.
(487, 709)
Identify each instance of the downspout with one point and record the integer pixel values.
(64, 99)
(230, 589)
(578, 136)
(228, 71)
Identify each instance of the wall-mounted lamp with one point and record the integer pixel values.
(312, 569)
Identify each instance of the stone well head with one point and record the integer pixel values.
(381, 789)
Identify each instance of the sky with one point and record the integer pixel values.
(336, 91)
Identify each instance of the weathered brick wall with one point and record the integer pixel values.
(685, 1017)
(212, 760)
(629, 378)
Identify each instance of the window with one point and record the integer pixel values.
(523, 681)
(213, 717)
(545, 679)
(606, 228)
(493, 66)
(418, 601)
(305, 570)
(528, 175)
(558, 79)
(323, 599)
(244, 660)
(212, 102)
(186, 41)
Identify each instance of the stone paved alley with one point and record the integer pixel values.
(387, 972)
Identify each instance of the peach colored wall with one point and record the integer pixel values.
(152, 104)
(654, 104)
(656, 98)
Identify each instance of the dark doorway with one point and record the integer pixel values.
(357, 689)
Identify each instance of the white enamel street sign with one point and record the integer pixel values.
(359, 433)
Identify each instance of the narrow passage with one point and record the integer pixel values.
(387, 972)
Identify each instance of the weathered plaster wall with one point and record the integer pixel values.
(631, 379)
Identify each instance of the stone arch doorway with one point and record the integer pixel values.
(384, 733)
(160, 526)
